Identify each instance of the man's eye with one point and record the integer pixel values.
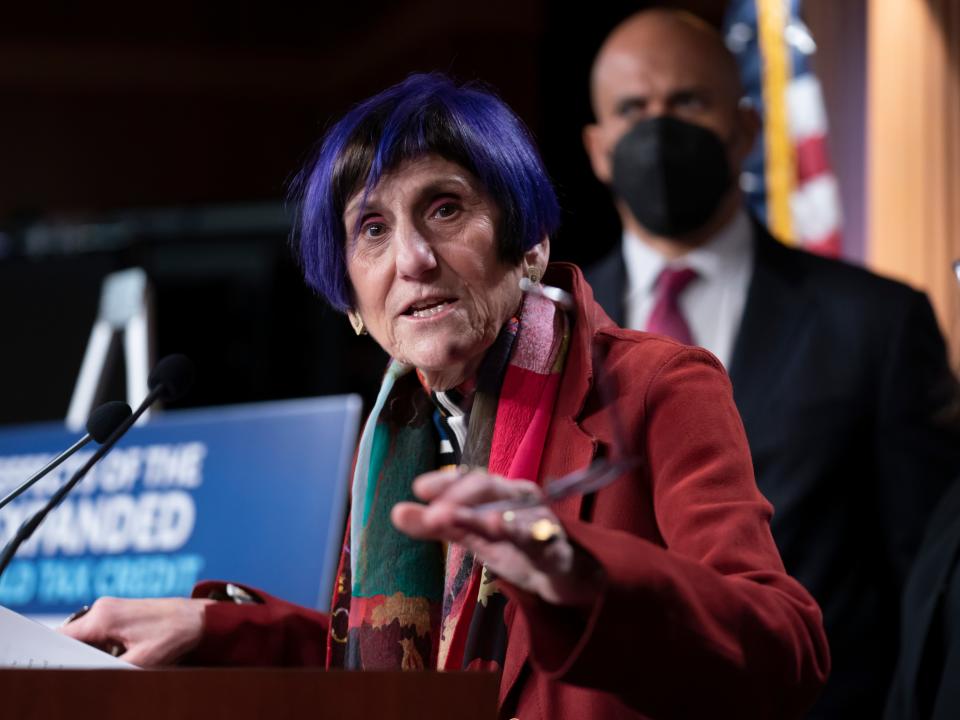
(632, 109)
(690, 102)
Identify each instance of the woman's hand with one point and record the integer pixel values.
(149, 633)
(526, 547)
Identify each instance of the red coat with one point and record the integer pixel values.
(695, 616)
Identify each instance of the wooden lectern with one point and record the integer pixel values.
(241, 694)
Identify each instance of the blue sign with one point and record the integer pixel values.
(254, 494)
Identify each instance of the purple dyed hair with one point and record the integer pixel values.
(424, 114)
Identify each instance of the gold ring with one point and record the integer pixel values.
(545, 530)
(332, 631)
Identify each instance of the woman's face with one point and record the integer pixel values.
(422, 260)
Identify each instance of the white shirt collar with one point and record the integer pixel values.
(720, 253)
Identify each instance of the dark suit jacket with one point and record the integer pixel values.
(925, 683)
(842, 381)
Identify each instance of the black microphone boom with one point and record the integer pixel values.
(103, 421)
(170, 379)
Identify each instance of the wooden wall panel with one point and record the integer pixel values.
(913, 149)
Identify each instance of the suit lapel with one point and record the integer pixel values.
(608, 280)
(932, 570)
(774, 313)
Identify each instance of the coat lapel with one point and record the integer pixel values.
(569, 447)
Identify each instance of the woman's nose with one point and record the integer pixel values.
(414, 253)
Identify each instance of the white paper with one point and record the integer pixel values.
(28, 644)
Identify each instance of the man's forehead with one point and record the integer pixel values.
(626, 72)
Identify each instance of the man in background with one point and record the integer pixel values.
(841, 376)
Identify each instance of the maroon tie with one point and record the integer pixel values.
(666, 318)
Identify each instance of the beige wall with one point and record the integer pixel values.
(913, 149)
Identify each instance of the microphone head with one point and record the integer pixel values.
(173, 376)
(107, 418)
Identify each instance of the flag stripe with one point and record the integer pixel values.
(812, 158)
(776, 75)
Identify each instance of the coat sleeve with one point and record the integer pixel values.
(708, 624)
(272, 632)
(918, 432)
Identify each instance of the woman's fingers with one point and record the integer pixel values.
(429, 485)
(472, 487)
(428, 522)
(535, 531)
(150, 632)
(99, 626)
(408, 517)
(450, 494)
(526, 546)
(450, 514)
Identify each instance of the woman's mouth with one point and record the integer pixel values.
(428, 308)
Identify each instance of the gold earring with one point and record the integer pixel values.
(533, 274)
(356, 322)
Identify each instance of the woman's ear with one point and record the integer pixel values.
(536, 258)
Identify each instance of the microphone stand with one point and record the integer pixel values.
(53, 464)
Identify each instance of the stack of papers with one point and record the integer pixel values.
(28, 644)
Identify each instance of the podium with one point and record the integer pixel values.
(242, 694)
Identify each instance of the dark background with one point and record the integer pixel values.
(164, 137)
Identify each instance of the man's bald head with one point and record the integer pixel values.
(662, 62)
(674, 42)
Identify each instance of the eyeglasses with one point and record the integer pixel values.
(601, 472)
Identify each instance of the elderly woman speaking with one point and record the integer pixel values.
(662, 594)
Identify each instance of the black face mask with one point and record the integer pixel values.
(672, 174)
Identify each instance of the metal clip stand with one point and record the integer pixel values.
(125, 307)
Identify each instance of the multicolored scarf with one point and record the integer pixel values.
(402, 603)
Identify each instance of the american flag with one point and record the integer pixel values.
(787, 179)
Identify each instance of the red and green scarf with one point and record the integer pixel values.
(402, 603)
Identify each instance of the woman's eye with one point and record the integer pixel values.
(373, 230)
(446, 210)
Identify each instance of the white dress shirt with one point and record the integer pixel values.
(713, 302)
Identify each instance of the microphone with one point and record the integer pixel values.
(102, 421)
(170, 380)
